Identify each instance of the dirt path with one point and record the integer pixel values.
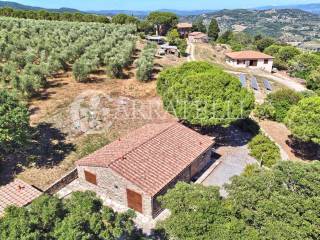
(190, 51)
(280, 134)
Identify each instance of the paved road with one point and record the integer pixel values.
(232, 163)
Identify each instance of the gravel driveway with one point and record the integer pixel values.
(233, 162)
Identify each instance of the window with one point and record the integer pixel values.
(240, 62)
(253, 63)
(90, 177)
(266, 61)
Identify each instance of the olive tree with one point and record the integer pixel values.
(14, 122)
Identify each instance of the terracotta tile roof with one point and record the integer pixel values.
(17, 193)
(198, 34)
(184, 25)
(152, 156)
(248, 55)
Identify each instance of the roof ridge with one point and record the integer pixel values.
(141, 144)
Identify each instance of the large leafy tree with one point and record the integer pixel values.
(82, 216)
(198, 26)
(162, 21)
(202, 94)
(14, 122)
(124, 19)
(213, 30)
(280, 203)
(303, 120)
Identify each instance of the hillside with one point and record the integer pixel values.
(312, 7)
(19, 6)
(286, 24)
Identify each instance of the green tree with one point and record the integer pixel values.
(173, 37)
(81, 216)
(264, 43)
(277, 203)
(200, 93)
(198, 26)
(124, 19)
(14, 122)
(302, 65)
(303, 120)
(162, 21)
(313, 80)
(213, 30)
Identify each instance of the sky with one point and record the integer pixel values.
(158, 4)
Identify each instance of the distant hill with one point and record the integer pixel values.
(145, 13)
(312, 7)
(25, 7)
(289, 25)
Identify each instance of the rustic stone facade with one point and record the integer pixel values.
(113, 186)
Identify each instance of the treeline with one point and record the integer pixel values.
(82, 216)
(46, 15)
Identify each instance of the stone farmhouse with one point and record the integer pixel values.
(135, 170)
(184, 29)
(198, 37)
(250, 59)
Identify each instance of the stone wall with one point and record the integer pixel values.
(185, 176)
(112, 186)
(62, 182)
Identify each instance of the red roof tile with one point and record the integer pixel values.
(152, 156)
(184, 25)
(248, 55)
(17, 193)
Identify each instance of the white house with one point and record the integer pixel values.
(250, 59)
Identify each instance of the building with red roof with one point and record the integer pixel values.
(17, 193)
(198, 37)
(133, 171)
(250, 59)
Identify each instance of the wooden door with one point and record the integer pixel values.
(134, 200)
(90, 177)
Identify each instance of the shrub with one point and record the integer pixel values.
(303, 120)
(264, 150)
(278, 104)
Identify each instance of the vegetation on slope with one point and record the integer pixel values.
(58, 16)
(32, 50)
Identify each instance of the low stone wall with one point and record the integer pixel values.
(62, 182)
